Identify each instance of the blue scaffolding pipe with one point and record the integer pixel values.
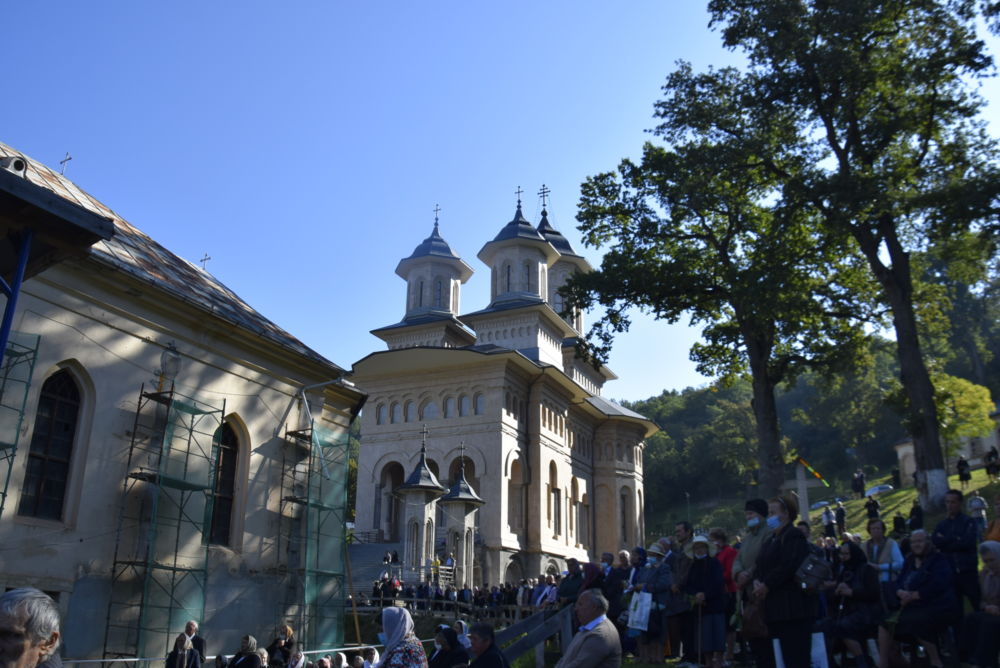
(13, 290)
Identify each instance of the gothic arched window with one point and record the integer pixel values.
(51, 450)
(224, 490)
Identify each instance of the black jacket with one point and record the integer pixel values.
(780, 556)
(177, 659)
(491, 658)
(450, 658)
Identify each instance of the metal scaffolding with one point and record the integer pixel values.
(160, 570)
(314, 511)
(15, 378)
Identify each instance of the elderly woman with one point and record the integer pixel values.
(926, 598)
(706, 584)
(247, 656)
(655, 579)
(882, 552)
(788, 609)
(855, 601)
(183, 655)
(402, 649)
(981, 632)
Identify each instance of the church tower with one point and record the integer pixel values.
(519, 316)
(569, 263)
(434, 275)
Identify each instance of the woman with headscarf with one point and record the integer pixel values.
(283, 644)
(981, 631)
(183, 655)
(462, 629)
(402, 649)
(448, 651)
(247, 656)
(298, 660)
(855, 602)
(593, 578)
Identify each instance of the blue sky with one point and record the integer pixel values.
(303, 145)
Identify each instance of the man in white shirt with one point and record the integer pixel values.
(596, 645)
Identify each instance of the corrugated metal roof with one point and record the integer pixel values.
(132, 251)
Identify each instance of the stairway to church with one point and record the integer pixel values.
(366, 563)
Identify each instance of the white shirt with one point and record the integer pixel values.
(593, 623)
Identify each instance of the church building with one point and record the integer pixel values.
(495, 402)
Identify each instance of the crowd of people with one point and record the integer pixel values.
(772, 596)
(775, 595)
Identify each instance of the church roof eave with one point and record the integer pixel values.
(458, 264)
(544, 308)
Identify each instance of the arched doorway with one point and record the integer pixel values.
(389, 507)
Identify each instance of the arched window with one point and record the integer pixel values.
(51, 449)
(449, 407)
(480, 404)
(429, 410)
(420, 295)
(464, 405)
(397, 413)
(438, 294)
(507, 278)
(224, 491)
(380, 414)
(411, 411)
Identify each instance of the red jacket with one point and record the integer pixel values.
(726, 557)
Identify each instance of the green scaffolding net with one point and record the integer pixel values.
(15, 379)
(322, 500)
(160, 571)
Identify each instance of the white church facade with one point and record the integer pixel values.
(558, 467)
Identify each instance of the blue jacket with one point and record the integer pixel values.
(934, 580)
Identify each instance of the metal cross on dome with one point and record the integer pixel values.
(544, 194)
(518, 193)
(437, 210)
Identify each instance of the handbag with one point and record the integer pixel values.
(752, 621)
(813, 572)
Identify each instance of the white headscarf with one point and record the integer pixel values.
(463, 629)
(396, 624)
(300, 663)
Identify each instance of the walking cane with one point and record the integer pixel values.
(699, 633)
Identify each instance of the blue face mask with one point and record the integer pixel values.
(653, 561)
(753, 521)
(381, 638)
(773, 522)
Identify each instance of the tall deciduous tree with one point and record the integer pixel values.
(698, 228)
(881, 90)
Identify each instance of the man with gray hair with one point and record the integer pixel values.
(29, 630)
(596, 645)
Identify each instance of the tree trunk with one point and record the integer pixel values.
(897, 282)
(765, 411)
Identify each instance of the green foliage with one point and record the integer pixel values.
(963, 408)
(887, 147)
(697, 228)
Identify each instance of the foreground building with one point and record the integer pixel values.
(175, 454)
(501, 392)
